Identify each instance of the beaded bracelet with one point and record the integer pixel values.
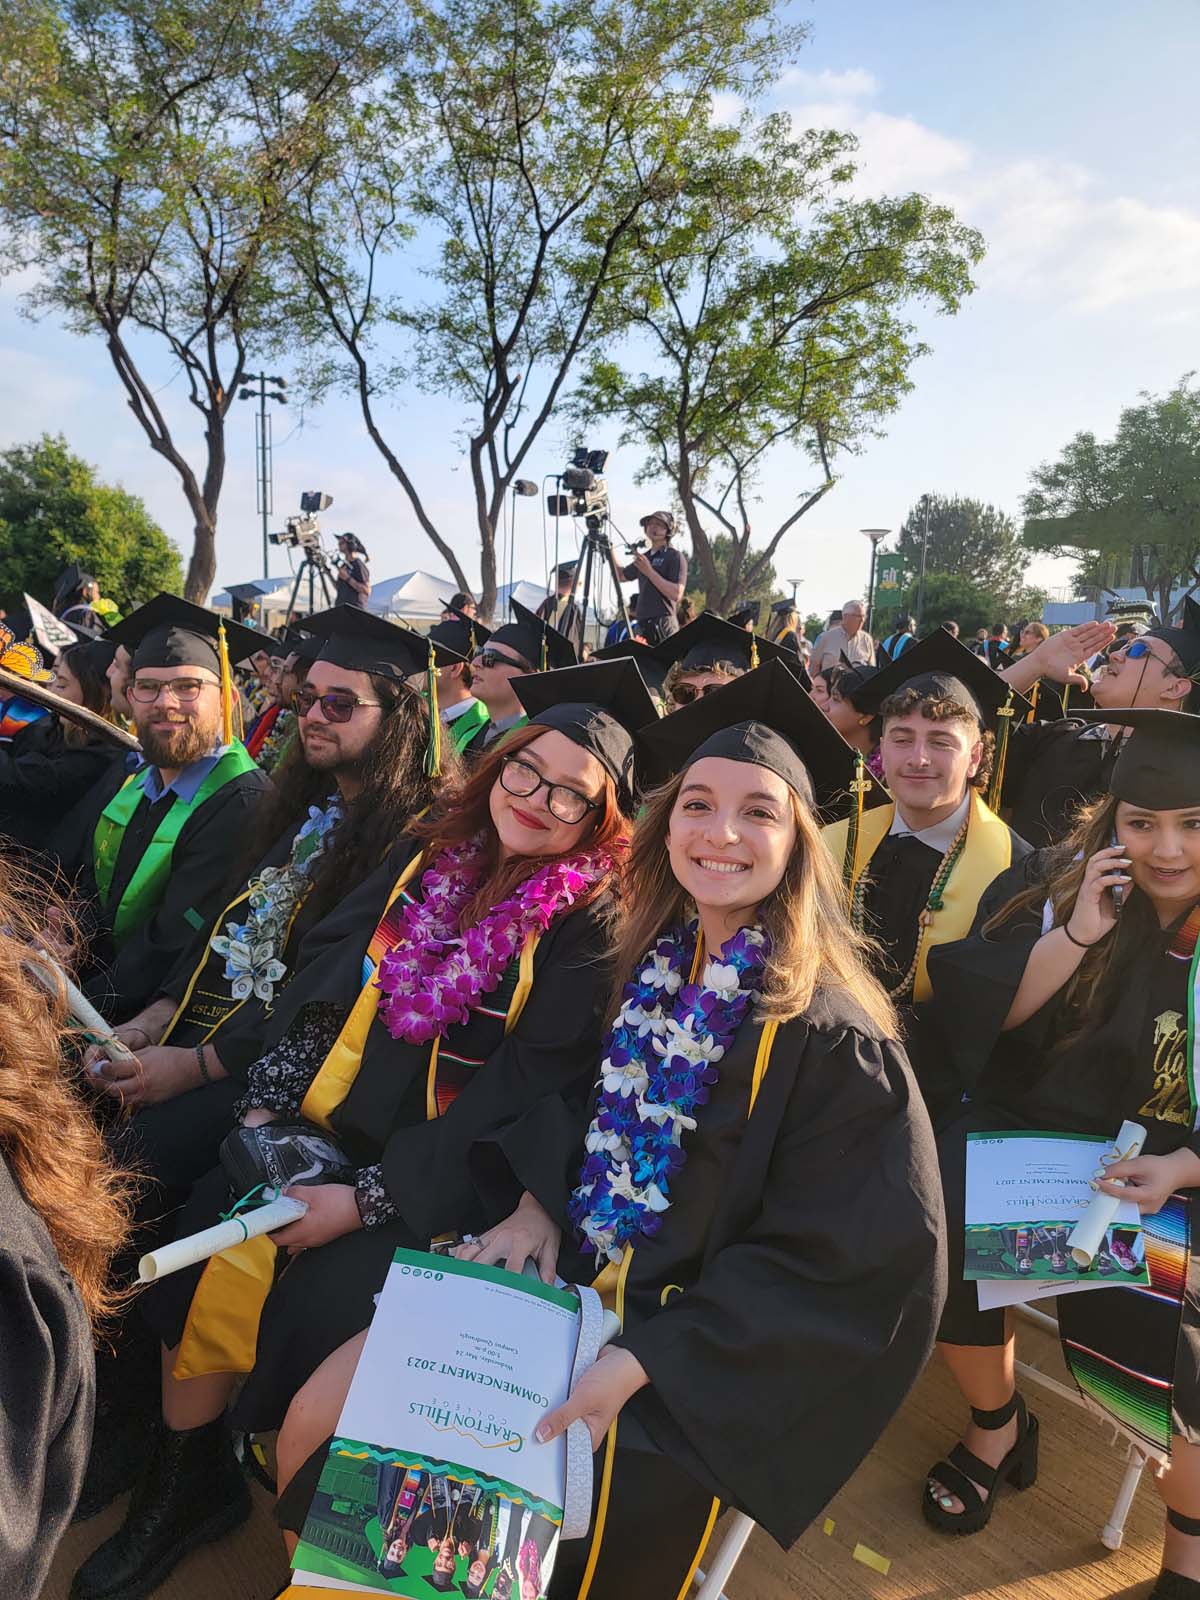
(205, 1076)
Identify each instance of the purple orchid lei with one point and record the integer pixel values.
(657, 1068)
(435, 973)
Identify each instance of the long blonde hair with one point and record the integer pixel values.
(813, 943)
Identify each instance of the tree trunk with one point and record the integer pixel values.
(202, 564)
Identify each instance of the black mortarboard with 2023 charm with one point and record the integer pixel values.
(541, 645)
(599, 706)
(765, 718)
(1157, 766)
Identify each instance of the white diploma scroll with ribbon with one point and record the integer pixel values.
(277, 1213)
(49, 974)
(1087, 1235)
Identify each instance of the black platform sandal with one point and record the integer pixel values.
(1173, 1585)
(961, 1471)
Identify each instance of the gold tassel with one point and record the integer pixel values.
(753, 651)
(1066, 696)
(996, 787)
(433, 750)
(1033, 700)
(858, 789)
(226, 686)
(545, 655)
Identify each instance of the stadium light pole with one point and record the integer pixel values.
(876, 536)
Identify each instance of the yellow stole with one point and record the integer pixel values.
(221, 1331)
(986, 854)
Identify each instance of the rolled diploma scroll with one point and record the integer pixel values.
(1088, 1233)
(182, 1253)
(46, 970)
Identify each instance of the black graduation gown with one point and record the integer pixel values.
(1050, 770)
(47, 1393)
(42, 777)
(1046, 1074)
(790, 1299)
(901, 874)
(326, 1296)
(120, 982)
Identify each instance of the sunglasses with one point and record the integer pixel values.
(684, 693)
(335, 707)
(492, 658)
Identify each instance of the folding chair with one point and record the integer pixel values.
(711, 1583)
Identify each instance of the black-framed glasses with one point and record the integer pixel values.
(145, 691)
(335, 706)
(518, 778)
(493, 658)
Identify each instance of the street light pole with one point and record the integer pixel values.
(264, 489)
(924, 552)
(876, 536)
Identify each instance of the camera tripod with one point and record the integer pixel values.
(317, 568)
(595, 542)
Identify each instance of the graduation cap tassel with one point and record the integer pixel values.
(1066, 695)
(544, 660)
(433, 750)
(1033, 700)
(996, 787)
(226, 686)
(858, 788)
(753, 651)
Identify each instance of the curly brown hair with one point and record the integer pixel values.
(463, 812)
(47, 1134)
(943, 708)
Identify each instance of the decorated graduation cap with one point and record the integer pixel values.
(598, 706)
(1140, 612)
(170, 632)
(652, 668)
(710, 641)
(359, 641)
(938, 667)
(764, 718)
(747, 616)
(541, 645)
(1157, 765)
(22, 660)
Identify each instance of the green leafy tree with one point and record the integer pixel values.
(55, 510)
(147, 151)
(522, 144)
(771, 320)
(1129, 506)
(764, 588)
(951, 597)
(968, 540)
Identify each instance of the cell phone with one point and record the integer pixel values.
(1118, 889)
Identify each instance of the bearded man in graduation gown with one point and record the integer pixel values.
(917, 868)
(1054, 767)
(151, 856)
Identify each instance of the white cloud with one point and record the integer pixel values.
(1054, 229)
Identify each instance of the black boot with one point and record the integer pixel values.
(128, 1406)
(191, 1491)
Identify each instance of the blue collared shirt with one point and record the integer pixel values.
(187, 785)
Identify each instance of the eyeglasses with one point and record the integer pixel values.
(334, 707)
(684, 693)
(517, 777)
(492, 658)
(145, 691)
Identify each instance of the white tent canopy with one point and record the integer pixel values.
(272, 594)
(412, 597)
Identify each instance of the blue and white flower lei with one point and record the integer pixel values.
(252, 966)
(658, 1066)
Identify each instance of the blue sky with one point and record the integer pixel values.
(1066, 133)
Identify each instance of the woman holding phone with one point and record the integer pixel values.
(1079, 979)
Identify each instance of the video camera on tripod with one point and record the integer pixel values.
(587, 494)
(304, 531)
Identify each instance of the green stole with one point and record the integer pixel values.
(479, 749)
(145, 889)
(466, 726)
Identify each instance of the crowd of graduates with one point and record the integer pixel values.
(676, 970)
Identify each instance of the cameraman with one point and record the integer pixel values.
(661, 575)
(353, 578)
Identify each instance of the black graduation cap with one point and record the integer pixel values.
(749, 613)
(765, 718)
(651, 667)
(852, 680)
(598, 706)
(300, 643)
(1158, 763)
(362, 642)
(940, 666)
(473, 633)
(1185, 639)
(530, 636)
(170, 632)
(781, 607)
(454, 636)
(565, 569)
(709, 641)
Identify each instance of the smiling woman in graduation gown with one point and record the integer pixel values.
(1079, 1020)
(778, 1309)
(412, 1076)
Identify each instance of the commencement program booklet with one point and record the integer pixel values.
(1025, 1193)
(434, 1483)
